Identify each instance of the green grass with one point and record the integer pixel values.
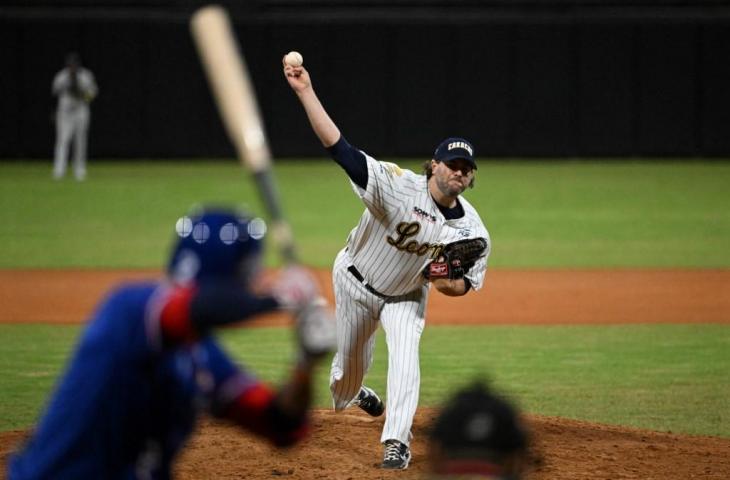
(31, 358)
(618, 214)
(665, 377)
(540, 214)
(660, 377)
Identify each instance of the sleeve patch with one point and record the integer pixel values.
(391, 168)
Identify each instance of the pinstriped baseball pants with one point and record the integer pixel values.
(359, 312)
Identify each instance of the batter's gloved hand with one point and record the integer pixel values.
(295, 288)
(316, 331)
(456, 259)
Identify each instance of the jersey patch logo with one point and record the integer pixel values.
(420, 213)
(406, 230)
(464, 232)
(439, 269)
(391, 168)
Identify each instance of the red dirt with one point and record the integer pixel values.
(345, 446)
(533, 297)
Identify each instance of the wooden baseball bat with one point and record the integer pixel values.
(228, 77)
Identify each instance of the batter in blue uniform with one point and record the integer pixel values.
(146, 367)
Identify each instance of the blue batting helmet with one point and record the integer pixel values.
(214, 244)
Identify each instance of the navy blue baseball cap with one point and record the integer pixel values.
(453, 148)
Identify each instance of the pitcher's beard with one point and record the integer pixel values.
(449, 189)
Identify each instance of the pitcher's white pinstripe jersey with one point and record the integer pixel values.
(402, 230)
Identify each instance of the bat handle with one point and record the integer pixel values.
(281, 231)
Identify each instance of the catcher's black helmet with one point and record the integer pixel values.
(480, 428)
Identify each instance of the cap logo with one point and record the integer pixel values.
(463, 145)
(186, 267)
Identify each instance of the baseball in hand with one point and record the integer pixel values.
(294, 59)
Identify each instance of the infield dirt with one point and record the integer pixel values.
(345, 446)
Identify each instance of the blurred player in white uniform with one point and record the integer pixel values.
(75, 88)
(379, 276)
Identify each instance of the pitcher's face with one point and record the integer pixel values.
(452, 177)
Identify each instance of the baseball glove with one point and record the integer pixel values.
(456, 259)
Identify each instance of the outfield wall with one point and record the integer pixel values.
(540, 78)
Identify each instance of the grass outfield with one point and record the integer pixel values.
(540, 214)
(668, 377)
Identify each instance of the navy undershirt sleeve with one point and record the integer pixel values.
(351, 160)
(220, 303)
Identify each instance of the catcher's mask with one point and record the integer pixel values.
(216, 244)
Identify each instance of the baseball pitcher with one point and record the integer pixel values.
(75, 88)
(416, 232)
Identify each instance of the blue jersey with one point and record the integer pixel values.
(127, 404)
